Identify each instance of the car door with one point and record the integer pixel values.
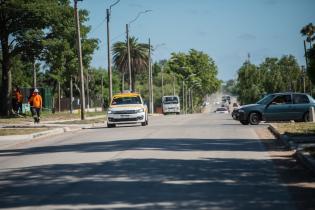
(279, 109)
(300, 106)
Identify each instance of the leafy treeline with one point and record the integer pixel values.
(40, 32)
(39, 36)
(272, 75)
(309, 32)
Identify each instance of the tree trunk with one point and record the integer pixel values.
(6, 89)
(133, 82)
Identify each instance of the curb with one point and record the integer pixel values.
(38, 134)
(284, 139)
(303, 157)
(306, 160)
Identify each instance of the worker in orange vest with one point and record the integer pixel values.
(36, 103)
(19, 100)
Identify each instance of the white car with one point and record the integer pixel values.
(222, 110)
(127, 108)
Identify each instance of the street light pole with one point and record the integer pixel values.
(128, 51)
(162, 80)
(128, 46)
(109, 60)
(82, 95)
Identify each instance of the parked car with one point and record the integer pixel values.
(127, 108)
(277, 107)
(235, 114)
(223, 110)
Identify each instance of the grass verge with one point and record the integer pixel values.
(20, 131)
(296, 129)
(100, 120)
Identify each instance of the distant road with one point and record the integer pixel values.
(185, 162)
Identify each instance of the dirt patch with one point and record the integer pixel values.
(299, 181)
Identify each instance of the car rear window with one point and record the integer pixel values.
(221, 109)
(300, 99)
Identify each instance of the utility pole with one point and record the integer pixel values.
(34, 75)
(128, 50)
(82, 95)
(303, 73)
(162, 80)
(71, 95)
(110, 80)
(59, 97)
(150, 81)
(173, 84)
(183, 97)
(102, 92)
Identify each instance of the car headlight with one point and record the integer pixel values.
(109, 111)
(140, 110)
(240, 110)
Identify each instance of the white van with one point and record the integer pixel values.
(170, 104)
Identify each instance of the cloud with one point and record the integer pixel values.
(247, 37)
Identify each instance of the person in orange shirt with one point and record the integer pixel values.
(19, 100)
(36, 103)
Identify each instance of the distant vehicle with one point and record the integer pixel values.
(222, 110)
(127, 108)
(277, 107)
(170, 104)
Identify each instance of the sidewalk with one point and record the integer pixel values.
(297, 144)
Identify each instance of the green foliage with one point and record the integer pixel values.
(198, 70)
(44, 31)
(273, 75)
(139, 53)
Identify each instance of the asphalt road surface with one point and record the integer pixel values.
(201, 161)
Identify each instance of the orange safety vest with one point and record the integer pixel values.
(37, 101)
(19, 97)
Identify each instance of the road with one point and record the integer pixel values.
(200, 161)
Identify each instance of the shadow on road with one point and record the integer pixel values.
(148, 183)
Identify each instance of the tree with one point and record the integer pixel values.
(138, 58)
(17, 19)
(201, 66)
(309, 31)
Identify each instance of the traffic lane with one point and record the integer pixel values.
(178, 162)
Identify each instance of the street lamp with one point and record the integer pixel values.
(110, 80)
(128, 44)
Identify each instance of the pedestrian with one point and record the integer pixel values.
(14, 101)
(36, 104)
(19, 100)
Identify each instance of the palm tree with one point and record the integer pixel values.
(139, 53)
(308, 31)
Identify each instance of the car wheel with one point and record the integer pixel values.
(306, 117)
(254, 118)
(111, 125)
(244, 122)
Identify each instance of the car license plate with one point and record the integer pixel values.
(124, 116)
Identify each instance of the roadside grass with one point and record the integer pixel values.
(296, 129)
(46, 116)
(20, 131)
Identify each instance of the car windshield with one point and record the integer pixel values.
(170, 100)
(265, 99)
(126, 100)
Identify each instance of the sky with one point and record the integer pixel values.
(226, 30)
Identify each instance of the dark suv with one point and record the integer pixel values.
(277, 107)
